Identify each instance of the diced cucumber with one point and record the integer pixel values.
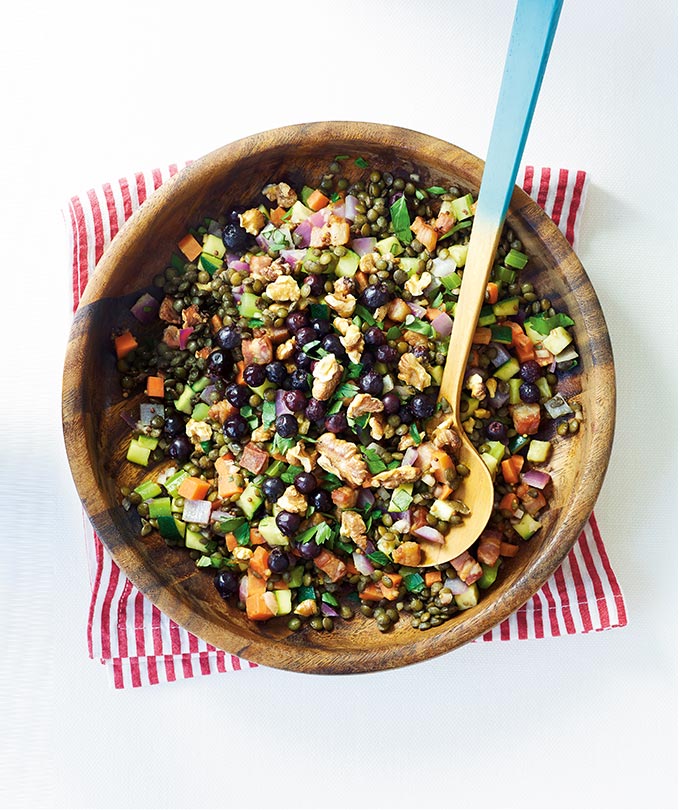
(506, 307)
(518, 442)
(347, 265)
(275, 469)
(514, 384)
(389, 247)
(409, 264)
(507, 370)
(271, 532)
(462, 207)
(138, 454)
(436, 372)
(284, 601)
(501, 334)
(148, 489)
(296, 575)
(497, 450)
(196, 541)
(534, 336)
(183, 402)
(505, 274)
(200, 411)
(516, 259)
(174, 482)
(527, 526)
(160, 507)
(459, 254)
(248, 305)
(209, 263)
(544, 387)
(452, 281)
(489, 576)
(469, 597)
(214, 245)
(486, 316)
(200, 384)
(305, 194)
(472, 405)
(401, 498)
(251, 499)
(558, 340)
(491, 462)
(539, 451)
(305, 592)
(151, 442)
(442, 510)
(171, 528)
(299, 213)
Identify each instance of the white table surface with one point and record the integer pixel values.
(587, 721)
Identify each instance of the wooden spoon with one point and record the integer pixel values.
(530, 41)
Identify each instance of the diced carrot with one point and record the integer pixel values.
(432, 576)
(440, 464)
(276, 215)
(239, 372)
(511, 468)
(230, 539)
(215, 323)
(258, 563)
(482, 335)
(317, 200)
(425, 233)
(256, 538)
(193, 489)
(256, 585)
(280, 585)
(228, 479)
(524, 348)
(371, 593)
(361, 280)
(155, 387)
(532, 503)
(508, 549)
(190, 247)
(509, 502)
(443, 492)
(351, 568)
(492, 290)
(431, 313)
(257, 608)
(391, 591)
(124, 344)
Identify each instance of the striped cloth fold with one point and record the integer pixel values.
(140, 646)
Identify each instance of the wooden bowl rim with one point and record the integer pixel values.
(408, 143)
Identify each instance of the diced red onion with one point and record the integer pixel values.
(552, 366)
(443, 324)
(320, 218)
(205, 394)
(145, 308)
(416, 309)
(362, 563)
(219, 514)
(339, 210)
(243, 588)
(502, 355)
(404, 517)
(303, 233)
(500, 398)
(370, 547)
(363, 245)
(350, 207)
(443, 267)
(261, 242)
(184, 335)
(230, 257)
(455, 585)
(536, 478)
(329, 610)
(237, 264)
(429, 533)
(293, 255)
(366, 498)
(410, 456)
(281, 406)
(197, 512)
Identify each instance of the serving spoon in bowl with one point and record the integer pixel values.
(530, 41)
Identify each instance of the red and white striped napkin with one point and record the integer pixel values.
(140, 645)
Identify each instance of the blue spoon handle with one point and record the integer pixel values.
(530, 41)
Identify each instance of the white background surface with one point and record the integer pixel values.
(88, 95)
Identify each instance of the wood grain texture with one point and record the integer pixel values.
(96, 436)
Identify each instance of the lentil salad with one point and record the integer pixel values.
(292, 369)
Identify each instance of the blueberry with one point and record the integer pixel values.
(173, 424)
(371, 383)
(228, 337)
(405, 415)
(332, 344)
(309, 550)
(529, 392)
(336, 423)
(316, 285)
(497, 431)
(254, 375)
(315, 410)
(367, 359)
(321, 327)
(375, 295)
(180, 448)
(278, 560)
(235, 237)
(422, 406)
(299, 380)
(235, 427)
(321, 501)
(220, 363)
(421, 352)
(304, 336)
(288, 523)
(530, 371)
(302, 360)
(275, 372)
(374, 336)
(297, 320)
(226, 584)
(286, 425)
(233, 215)
(237, 395)
(305, 483)
(386, 354)
(391, 403)
(273, 489)
(295, 400)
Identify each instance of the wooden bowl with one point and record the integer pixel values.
(96, 437)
